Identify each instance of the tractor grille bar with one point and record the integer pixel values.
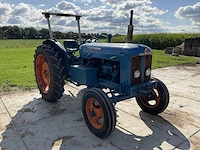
(135, 65)
(140, 63)
(148, 62)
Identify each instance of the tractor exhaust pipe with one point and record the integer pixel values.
(130, 29)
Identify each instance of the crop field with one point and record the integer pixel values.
(157, 41)
(16, 63)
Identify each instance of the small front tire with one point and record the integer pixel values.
(99, 113)
(158, 101)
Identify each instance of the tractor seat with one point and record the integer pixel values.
(72, 50)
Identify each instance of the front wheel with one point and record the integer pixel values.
(99, 113)
(157, 102)
(49, 72)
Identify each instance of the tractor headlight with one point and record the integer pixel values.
(148, 72)
(136, 74)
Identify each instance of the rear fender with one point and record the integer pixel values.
(54, 43)
(59, 47)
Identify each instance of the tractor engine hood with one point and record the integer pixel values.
(113, 51)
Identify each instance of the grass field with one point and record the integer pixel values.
(16, 67)
(16, 63)
(160, 59)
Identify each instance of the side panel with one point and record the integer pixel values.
(124, 71)
(84, 75)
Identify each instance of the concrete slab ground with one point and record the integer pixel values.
(29, 123)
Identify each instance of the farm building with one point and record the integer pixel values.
(192, 47)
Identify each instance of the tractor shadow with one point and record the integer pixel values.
(163, 134)
(43, 125)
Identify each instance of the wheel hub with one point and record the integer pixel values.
(42, 73)
(152, 100)
(94, 113)
(45, 73)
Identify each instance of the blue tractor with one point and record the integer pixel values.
(112, 72)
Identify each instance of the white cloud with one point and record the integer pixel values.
(127, 5)
(23, 15)
(41, 5)
(88, 1)
(180, 29)
(64, 5)
(5, 8)
(21, 9)
(189, 12)
(111, 16)
(61, 22)
(101, 14)
(15, 20)
(152, 10)
(111, 1)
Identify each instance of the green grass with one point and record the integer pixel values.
(16, 63)
(160, 59)
(18, 44)
(16, 67)
(21, 43)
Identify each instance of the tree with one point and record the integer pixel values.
(44, 33)
(30, 33)
(17, 32)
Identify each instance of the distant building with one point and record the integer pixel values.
(192, 47)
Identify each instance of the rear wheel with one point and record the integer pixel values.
(99, 112)
(49, 72)
(157, 102)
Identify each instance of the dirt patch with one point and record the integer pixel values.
(196, 87)
(15, 91)
(97, 145)
(178, 118)
(57, 112)
(195, 140)
(189, 64)
(33, 110)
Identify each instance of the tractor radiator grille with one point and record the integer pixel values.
(140, 63)
(148, 59)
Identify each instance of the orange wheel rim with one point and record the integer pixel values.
(94, 113)
(153, 102)
(42, 73)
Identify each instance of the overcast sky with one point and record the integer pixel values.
(108, 16)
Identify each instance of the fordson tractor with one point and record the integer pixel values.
(112, 72)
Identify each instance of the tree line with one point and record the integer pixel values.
(15, 32)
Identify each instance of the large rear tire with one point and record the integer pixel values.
(49, 72)
(158, 101)
(99, 112)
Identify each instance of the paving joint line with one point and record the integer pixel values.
(185, 140)
(194, 133)
(26, 145)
